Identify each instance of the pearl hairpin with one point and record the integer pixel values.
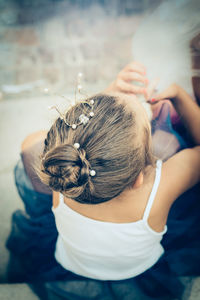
(83, 119)
(77, 145)
(73, 126)
(92, 173)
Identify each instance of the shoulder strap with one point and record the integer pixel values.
(61, 198)
(154, 189)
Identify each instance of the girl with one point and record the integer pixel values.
(111, 201)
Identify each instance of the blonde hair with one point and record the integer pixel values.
(108, 144)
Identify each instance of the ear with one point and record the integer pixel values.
(139, 181)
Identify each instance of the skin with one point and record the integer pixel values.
(179, 173)
(129, 206)
(123, 83)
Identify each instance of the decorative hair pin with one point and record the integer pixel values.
(77, 145)
(91, 172)
(83, 119)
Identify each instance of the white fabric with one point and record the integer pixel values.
(105, 250)
(162, 43)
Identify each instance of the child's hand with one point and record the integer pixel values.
(123, 83)
(170, 93)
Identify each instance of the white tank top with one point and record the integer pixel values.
(105, 250)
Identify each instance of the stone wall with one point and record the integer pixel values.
(63, 38)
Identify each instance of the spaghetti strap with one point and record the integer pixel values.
(61, 198)
(154, 190)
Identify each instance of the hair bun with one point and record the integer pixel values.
(66, 169)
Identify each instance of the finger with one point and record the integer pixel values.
(159, 97)
(136, 67)
(131, 76)
(154, 101)
(129, 88)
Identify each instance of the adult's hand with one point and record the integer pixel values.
(128, 78)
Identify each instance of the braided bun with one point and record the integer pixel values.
(66, 169)
(117, 145)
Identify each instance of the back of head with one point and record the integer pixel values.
(108, 145)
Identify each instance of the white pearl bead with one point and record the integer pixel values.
(80, 74)
(92, 173)
(92, 101)
(77, 145)
(91, 114)
(73, 126)
(46, 90)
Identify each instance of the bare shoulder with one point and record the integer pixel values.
(181, 172)
(33, 139)
(55, 199)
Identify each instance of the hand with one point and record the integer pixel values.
(170, 93)
(123, 83)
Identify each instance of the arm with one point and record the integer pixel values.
(188, 110)
(179, 173)
(190, 114)
(182, 171)
(31, 149)
(33, 139)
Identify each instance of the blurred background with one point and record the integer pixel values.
(44, 44)
(47, 42)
